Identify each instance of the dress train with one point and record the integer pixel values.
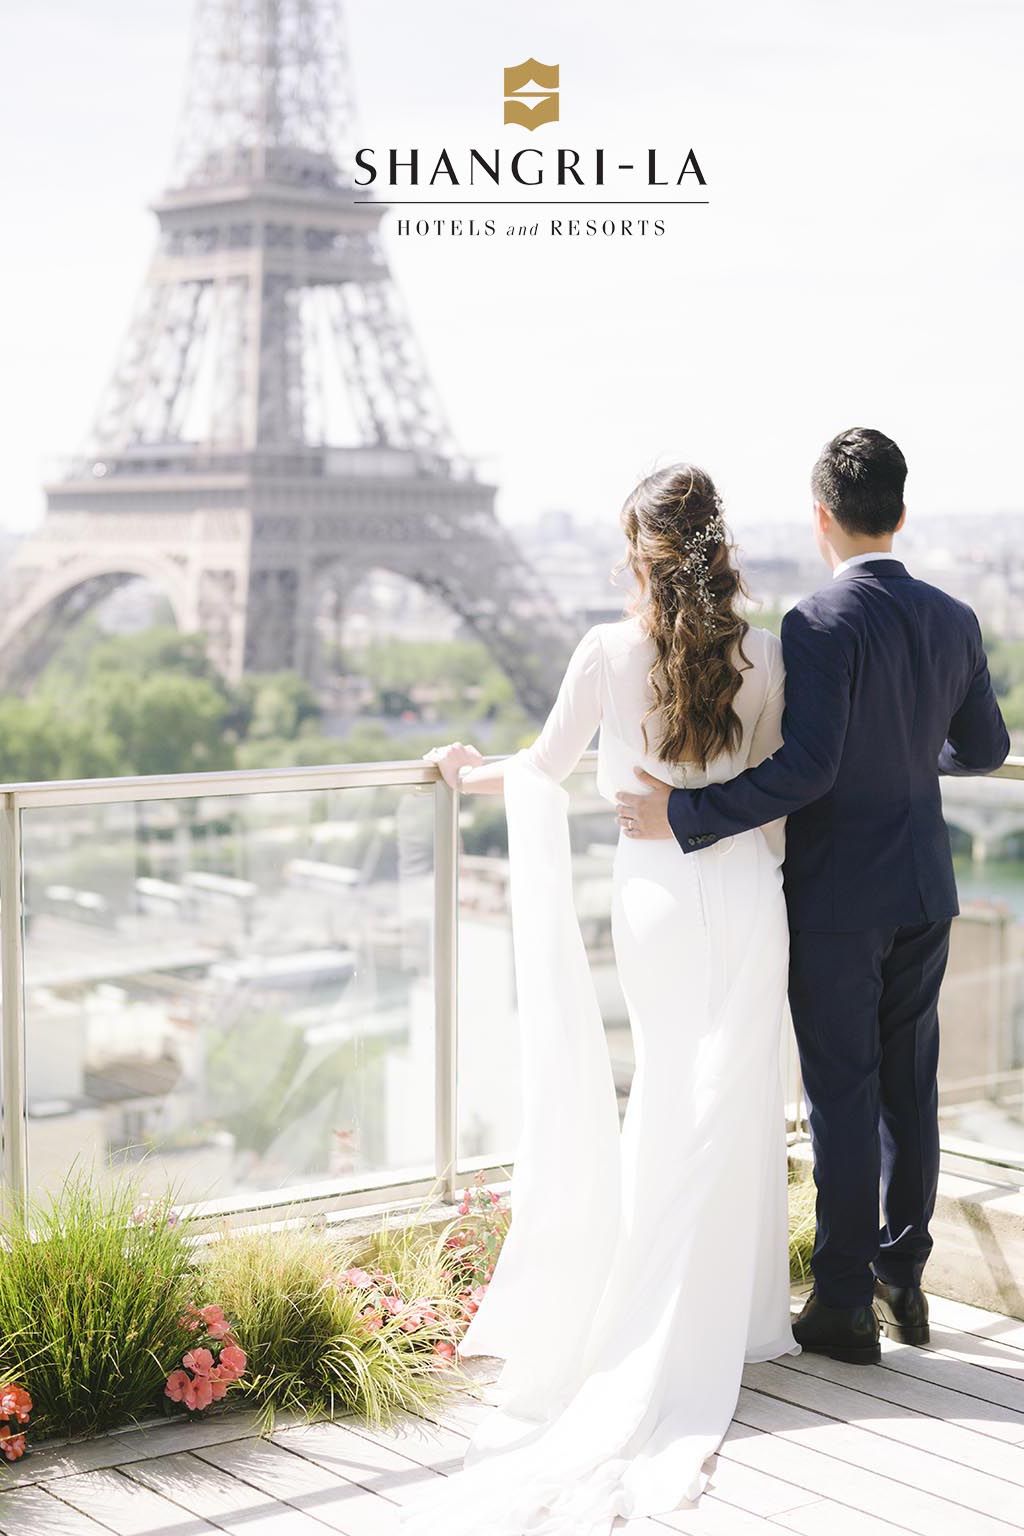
(640, 1270)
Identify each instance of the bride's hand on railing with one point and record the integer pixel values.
(451, 758)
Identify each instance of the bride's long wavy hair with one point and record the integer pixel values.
(678, 548)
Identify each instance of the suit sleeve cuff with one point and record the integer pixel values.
(682, 818)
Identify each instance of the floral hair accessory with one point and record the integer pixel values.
(695, 562)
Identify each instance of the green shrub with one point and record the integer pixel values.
(299, 1320)
(92, 1287)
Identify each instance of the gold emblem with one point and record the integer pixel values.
(543, 108)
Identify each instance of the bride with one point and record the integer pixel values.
(641, 1268)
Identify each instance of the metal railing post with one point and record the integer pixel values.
(14, 1105)
(446, 984)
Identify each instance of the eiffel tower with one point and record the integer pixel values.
(270, 433)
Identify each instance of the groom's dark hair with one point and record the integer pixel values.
(859, 477)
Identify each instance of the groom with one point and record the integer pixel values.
(887, 687)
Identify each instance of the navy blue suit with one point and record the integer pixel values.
(887, 686)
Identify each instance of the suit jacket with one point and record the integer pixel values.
(887, 686)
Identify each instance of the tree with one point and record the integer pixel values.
(38, 744)
(164, 723)
(152, 703)
(276, 704)
(88, 650)
(145, 703)
(458, 676)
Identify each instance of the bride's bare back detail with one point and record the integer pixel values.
(624, 1315)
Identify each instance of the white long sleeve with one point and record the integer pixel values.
(575, 714)
(766, 737)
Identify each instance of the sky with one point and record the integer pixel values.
(857, 264)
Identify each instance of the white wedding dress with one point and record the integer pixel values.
(640, 1270)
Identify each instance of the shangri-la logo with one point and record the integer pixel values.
(539, 171)
(531, 108)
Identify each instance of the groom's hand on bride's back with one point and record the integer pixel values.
(645, 815)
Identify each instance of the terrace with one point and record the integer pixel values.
(930, 1442)
(291, 991)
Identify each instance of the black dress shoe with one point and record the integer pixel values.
(903, 1312)
(844, 1333)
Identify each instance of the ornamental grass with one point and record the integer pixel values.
(328, 1330)
(93, 1287)
(802, 1195)
(111, 1313)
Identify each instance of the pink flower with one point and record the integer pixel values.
(15, 1403)
(217, 1325)
(13, 1446)
(444, 1353)
(233, 1361)
(471, 1300)
(191, 1319)
(198, 1394)
(357, 1277)
(178, 1383)
(198, 1361)
(150, 1211)
(220, 1379)
(418, 1313)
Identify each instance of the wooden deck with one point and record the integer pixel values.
(931, 1441)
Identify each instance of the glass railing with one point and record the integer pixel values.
(238, 984)
(981, 1073)
(296, 987)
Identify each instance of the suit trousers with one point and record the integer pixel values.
(865, 1013)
